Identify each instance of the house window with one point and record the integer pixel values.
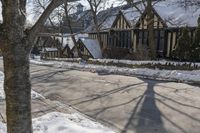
(143, 37)
(140, 37)
(160, 43)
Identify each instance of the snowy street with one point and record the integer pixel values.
(128, 104)
(53, 116)
(100, 66)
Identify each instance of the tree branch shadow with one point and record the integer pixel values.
(145, 116)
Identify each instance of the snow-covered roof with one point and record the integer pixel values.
(107, 17)
(92, 46)
(50, 49)
(176, 14)
(173, 12)
(132, 14)
(65, 40)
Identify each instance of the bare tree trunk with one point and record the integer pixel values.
(150, 26)
(94, 5)
(16, 43)
(71, 30)
(97, 30)
(17, 84)
(17, 87)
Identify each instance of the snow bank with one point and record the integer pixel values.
(128, 62)
(2, 96)
(134, 62)
(38, 62)
(67, 123)
(34, 94)
(64, 123)
(172, 75)
(2, 127)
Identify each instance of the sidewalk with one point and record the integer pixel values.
(53, 117)
(40, 107)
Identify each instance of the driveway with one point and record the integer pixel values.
(128, 104)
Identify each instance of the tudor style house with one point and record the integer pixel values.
(124, 28)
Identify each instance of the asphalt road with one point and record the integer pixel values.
(128, 104)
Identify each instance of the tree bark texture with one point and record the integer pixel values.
(150, 27)
(15, 51)
(17, 88)
(16, 43)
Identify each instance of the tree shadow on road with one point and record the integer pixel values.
(146, 116)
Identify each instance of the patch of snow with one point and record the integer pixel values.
(135, 62)
(34, 95)
(50, 49)
(56, 122)
(2, 127)
(174, 75)
(67, 123)
(2, 96)
(129, 62)
(38, 62)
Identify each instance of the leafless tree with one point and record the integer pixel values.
(16, 42)
(150, 23)
(56, 26)
(150, 28)
(64, 13)
(95, 7)
(67, 9)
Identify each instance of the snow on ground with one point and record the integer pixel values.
(34, 94)
(174, 75)
(56, 122)
(40, 63)
(2, 127)
(128, 62)
(134, 62)
(2, 96)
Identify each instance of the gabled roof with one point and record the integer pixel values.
(171, 12)
(107, 17)
(132, 14)
(176, 14)
(155, 13)
(93, 47)
(118, 17)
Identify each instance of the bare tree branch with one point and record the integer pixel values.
(35, 29)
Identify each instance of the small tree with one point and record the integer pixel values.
(181, 51)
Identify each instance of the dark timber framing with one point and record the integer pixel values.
(123, 39)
